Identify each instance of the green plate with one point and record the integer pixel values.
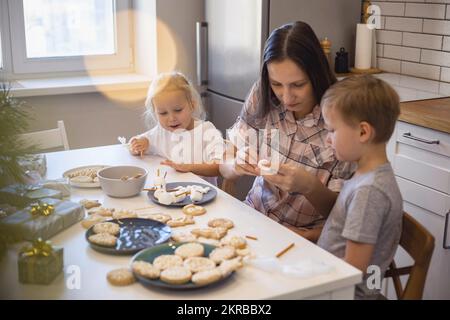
(150, 254)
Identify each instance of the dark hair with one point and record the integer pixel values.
(298, 42)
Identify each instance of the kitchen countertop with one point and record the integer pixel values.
(432, 113)
(423, 102)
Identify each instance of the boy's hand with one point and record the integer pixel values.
(181, 167)
(291, 178)
(139, 145)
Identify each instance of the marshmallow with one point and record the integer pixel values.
(196, 195)
(166, 198)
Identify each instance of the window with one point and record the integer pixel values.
(68, 35)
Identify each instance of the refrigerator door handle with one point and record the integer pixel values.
(202, 53)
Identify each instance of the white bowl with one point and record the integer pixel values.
(115, 184)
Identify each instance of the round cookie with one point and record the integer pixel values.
(193, 210)
(221, 223)
(197, 264)
(103, 239)
(167, 261)
(192, 249)
(206, 276)
(145, 269)
(120, 277)
(176, 275)
(184, 237)
(223, 253)
(107, 227)
(235, 241)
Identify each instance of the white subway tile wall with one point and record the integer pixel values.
(414, 39)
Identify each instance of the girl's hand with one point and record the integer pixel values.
(291, 178)
(138, 146)
(181, 167)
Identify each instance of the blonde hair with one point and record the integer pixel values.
(365, 98)
(172, 81)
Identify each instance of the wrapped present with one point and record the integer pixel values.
(21, 195)
(58, 184)
(40, 262)
(43, 220)
(35, 162)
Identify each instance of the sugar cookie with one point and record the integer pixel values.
(184, 237)
(181, 222)
(89, 204)
(176, 275)
(228, 266)
(92, 220)
(192, 249)
(223, 253)
(212, 233)
(207, 276)
(103, 239)
(145, 269)
(107, 227)
(122, 214)
(193, 210)
(221, 222)
(167, 261)
(234, 241)
(196, 264)
(120, 277)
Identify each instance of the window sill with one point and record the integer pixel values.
(83, 84)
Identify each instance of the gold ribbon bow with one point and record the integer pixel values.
(42, 208)
(38, 247)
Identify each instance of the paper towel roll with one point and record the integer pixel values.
(363, 51)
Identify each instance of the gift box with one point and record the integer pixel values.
(40, 263)
(21, 195)
(38, 222)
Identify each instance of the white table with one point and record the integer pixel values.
(248, 282)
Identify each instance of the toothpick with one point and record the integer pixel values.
(157, 172)
(279, 254)
(251, 237)
(165, 174)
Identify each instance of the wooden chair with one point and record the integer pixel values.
(418, 242)
(48, 139)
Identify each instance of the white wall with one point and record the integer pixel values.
(92, 119)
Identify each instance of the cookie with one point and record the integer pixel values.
(103, 239)
(120, 277)
(234, 241)
(207, 276)
(92, 220)
(221, 223)
(176, 275)
(197, 264)
(193, 210)
(167, 261)
(145, 269)
(161, 217)
(244, 252)
(211, 233)
(213, 242)
(107, 227)
(223, 253)
(105, 212)
(122, 214)
(184, 237)
(192, 249)
(89, 204)
(181, 222)
(228, 266)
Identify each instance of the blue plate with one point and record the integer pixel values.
(207, 197)
(135, 234)
(150, 254)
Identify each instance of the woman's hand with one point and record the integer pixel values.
(181, 167)
(139, 145)
(245, 163)
(292, 178)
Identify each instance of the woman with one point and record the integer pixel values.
(294, 76)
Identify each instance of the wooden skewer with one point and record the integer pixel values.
(157, 172)
(165, 174)
(279, 254)
(144, 208)
(154, 189)
(251, 237)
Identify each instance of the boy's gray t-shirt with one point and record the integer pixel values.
(369, 210)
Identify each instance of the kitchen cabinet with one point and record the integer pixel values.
(420, 158)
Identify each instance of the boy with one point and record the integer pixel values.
(364, 225)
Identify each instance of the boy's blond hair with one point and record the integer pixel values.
(173, 81)
(365, 98)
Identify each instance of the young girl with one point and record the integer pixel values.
(188, 143)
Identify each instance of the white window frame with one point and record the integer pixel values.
(19, 64)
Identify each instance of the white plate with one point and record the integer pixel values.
(83, 184)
